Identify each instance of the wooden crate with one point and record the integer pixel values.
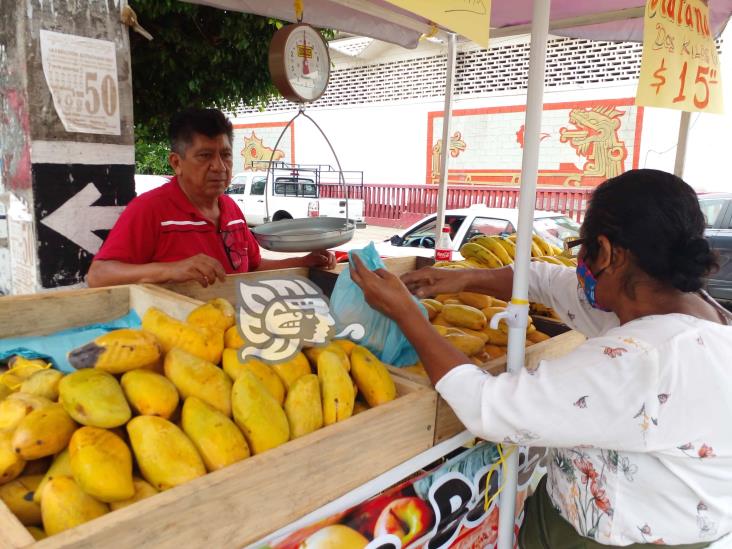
(447, 424)
(242, 503)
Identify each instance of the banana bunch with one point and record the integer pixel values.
(150, 409)
(492, 252)
(463, 318)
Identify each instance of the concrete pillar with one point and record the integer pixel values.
(66, 137)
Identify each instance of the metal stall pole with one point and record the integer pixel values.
(449, 86)
(518, 309)
(681, 144)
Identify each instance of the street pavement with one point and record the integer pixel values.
(360, 239)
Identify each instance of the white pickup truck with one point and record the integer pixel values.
(292, 195)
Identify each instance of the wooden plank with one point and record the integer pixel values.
(248, 500)
(176, 305)
(12, 533)
(41, 314)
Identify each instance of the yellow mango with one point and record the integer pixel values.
(313, 354)
(18, 496)
(480, 334)
(93, 397)
(445, 297)
(443, 330)
(11, 464)
(150, 394)
(234, 367)
(4, 390)
(143, 490)
(101, 464)
(65, 505)
(431, 311)
(371, 376)
(292, 370)
(494, 351)
(217, 439)
(496, 337)
(436, 305)
(468, 344)
(170, 332)
(217, 314)
(536, 336)
(346, 344)
(258, 414)
(117, 352)
(303, 407)
(336, 388)
(43, 432)
(475, 300)
(61, 467)
(233, 339)
(37, 533)
(18, 405)
(464, 316)
(165, 455)
(20, 369)
(193, 376)
(43, 384)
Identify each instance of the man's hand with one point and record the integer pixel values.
(384, 291)
(324, 259)
(202, 268)
(430, 281)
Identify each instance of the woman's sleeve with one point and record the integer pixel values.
(602, 394)
(557, 287)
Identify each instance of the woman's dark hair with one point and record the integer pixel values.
(186, 123)
(656, 216)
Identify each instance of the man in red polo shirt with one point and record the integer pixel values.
(188, 229)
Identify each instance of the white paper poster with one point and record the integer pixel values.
(81, 73)
(21, 242)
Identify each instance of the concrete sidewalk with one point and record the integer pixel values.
(360, 239)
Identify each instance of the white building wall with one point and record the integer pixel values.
(388, 139)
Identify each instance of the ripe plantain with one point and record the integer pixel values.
(492, 244)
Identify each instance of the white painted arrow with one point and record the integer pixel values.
(77, 218)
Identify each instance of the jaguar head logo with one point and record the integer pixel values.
(278, 317)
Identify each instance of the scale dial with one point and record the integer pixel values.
(299, 63)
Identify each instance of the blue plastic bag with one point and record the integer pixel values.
(54, 347)
(382, 335)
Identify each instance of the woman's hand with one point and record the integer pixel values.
(384, 291)
(430, 281)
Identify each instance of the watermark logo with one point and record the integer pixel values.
(278, 317)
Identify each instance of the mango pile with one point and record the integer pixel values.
(149, 409)
(493, 252)
(463, 320)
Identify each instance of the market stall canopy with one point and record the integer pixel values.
(620, 20)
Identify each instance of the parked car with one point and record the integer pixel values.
(465, 223)
(717, 208)
(295, 193)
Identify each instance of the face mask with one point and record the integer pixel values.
(588, 281)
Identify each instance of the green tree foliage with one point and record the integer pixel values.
(200, 56)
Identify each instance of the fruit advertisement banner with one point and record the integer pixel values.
(680, 66)
(440, 508)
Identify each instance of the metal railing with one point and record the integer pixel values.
(392, 203)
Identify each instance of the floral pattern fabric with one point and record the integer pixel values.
(638, 418)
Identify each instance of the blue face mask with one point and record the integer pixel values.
(588, 281)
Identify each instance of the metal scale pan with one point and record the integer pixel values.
(304, 235)
(307, 234)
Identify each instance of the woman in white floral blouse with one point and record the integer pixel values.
(639, 417)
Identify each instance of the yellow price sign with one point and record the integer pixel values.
(471, 18)
(680, 67)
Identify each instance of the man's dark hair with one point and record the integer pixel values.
(186, 123)
(656, 216)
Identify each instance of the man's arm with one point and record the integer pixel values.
(323, 259)
(201, 268)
